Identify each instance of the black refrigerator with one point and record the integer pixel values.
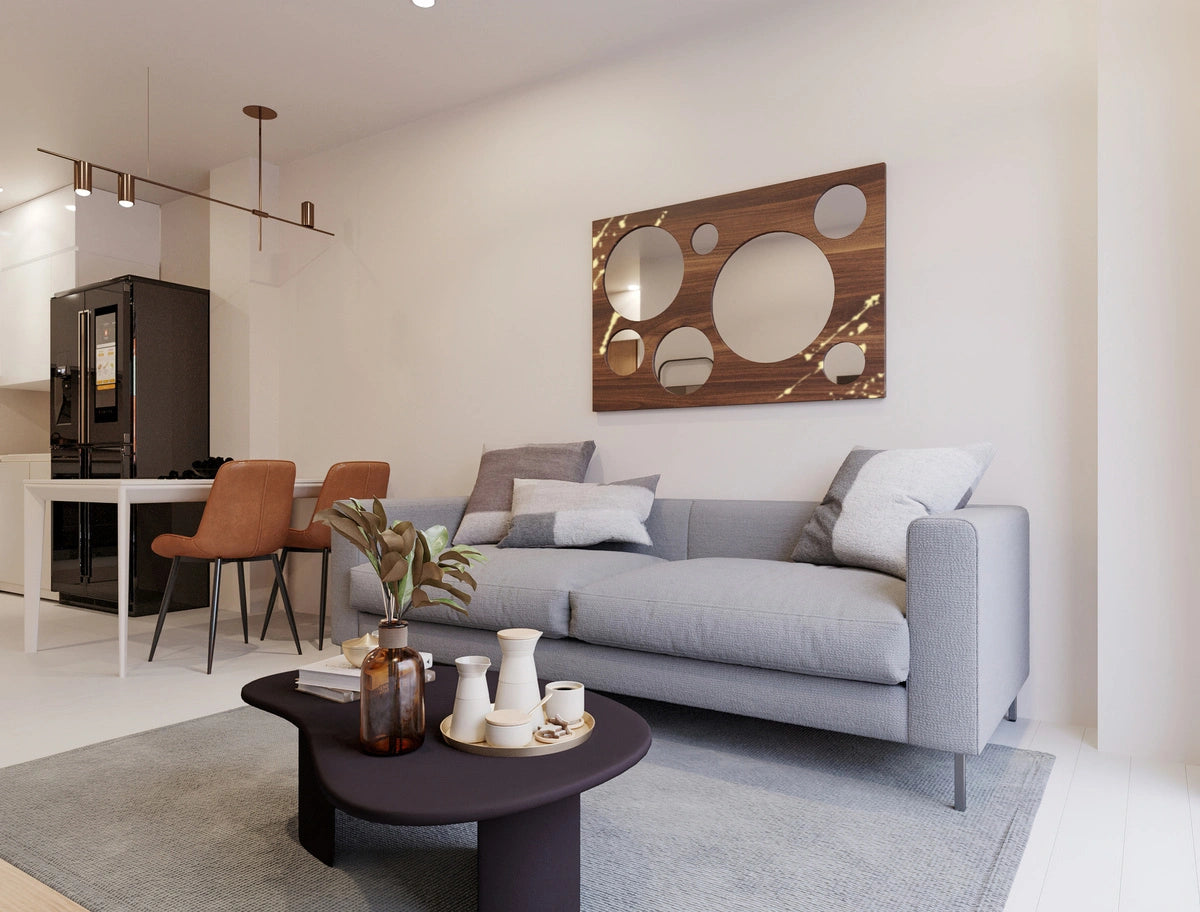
(129, 399)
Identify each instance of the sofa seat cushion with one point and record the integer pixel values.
(836, 622)
(518, 587)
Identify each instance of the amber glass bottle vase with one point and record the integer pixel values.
(392, 708)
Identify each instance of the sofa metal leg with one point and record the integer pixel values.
(960, 782)
(1012, 711)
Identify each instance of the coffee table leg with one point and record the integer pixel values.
(316, 815)
(529, 862)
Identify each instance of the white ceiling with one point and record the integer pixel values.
(73, 74)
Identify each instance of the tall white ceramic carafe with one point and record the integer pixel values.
(518, 688)
(471, 699)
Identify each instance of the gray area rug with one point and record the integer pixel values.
(724, 813)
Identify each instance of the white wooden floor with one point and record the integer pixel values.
(1113, 833)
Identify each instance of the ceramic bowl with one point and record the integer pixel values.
(356, 650)
(508, 728)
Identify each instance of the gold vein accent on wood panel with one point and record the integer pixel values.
(21, 893)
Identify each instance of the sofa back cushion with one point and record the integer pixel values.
(762, 529)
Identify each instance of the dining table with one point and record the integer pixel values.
(125, 493)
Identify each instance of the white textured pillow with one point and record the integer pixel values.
(863, 520)
(559, 514)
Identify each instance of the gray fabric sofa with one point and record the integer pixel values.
(715, 614)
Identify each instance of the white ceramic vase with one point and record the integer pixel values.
(472, 702)
(518, 688)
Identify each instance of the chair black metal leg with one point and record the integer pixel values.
(162, 610)
(1011, 715)
(287, 603)
(242, 594)
(960, 782)
(212, 624)
(324, 582)
(274, 592)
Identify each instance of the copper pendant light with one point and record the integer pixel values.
(126, 181)
(83, 179)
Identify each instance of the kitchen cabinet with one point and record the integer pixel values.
(60, 241)
(14, 470)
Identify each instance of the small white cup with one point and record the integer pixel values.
(566, 700)
(508, 728)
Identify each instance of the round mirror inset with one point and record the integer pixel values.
(844, 363)
(840, 211)
(704, 238)
(625, 353)
(683, 360)
(773, 296)
(643, 273)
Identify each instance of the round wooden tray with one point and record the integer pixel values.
(532, 749)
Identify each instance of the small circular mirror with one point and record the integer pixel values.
(643, 273)
(773, 296)
(844, 363)
(625, 353)
(704, 238)
(683, 360)
(840, 211)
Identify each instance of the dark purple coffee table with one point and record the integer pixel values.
(527, 807)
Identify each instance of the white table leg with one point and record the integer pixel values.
(35, 529)
(123, 509)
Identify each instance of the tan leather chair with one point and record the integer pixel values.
(245, 519)
(364, 480)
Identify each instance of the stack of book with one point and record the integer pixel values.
(336, 679)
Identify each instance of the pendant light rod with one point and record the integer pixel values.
(261, 113)
(211, 199)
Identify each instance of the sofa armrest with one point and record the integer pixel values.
(968, 621)
(422, 513)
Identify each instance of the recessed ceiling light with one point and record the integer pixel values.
(424, 4)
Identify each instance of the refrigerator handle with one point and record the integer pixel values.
(82, 339)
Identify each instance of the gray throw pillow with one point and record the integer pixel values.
(863, 520)
(489, 508)
(559, 514)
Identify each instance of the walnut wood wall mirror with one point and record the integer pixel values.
(768, 295)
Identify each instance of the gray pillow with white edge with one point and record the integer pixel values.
(559, 514)
(863, 520)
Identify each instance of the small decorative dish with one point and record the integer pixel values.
(534, 748)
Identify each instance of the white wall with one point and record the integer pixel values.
(1149, 420)
(185, 242)
(453, 308)
(245, 323)
(111, 240)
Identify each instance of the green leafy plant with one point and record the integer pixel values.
(410, 562)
